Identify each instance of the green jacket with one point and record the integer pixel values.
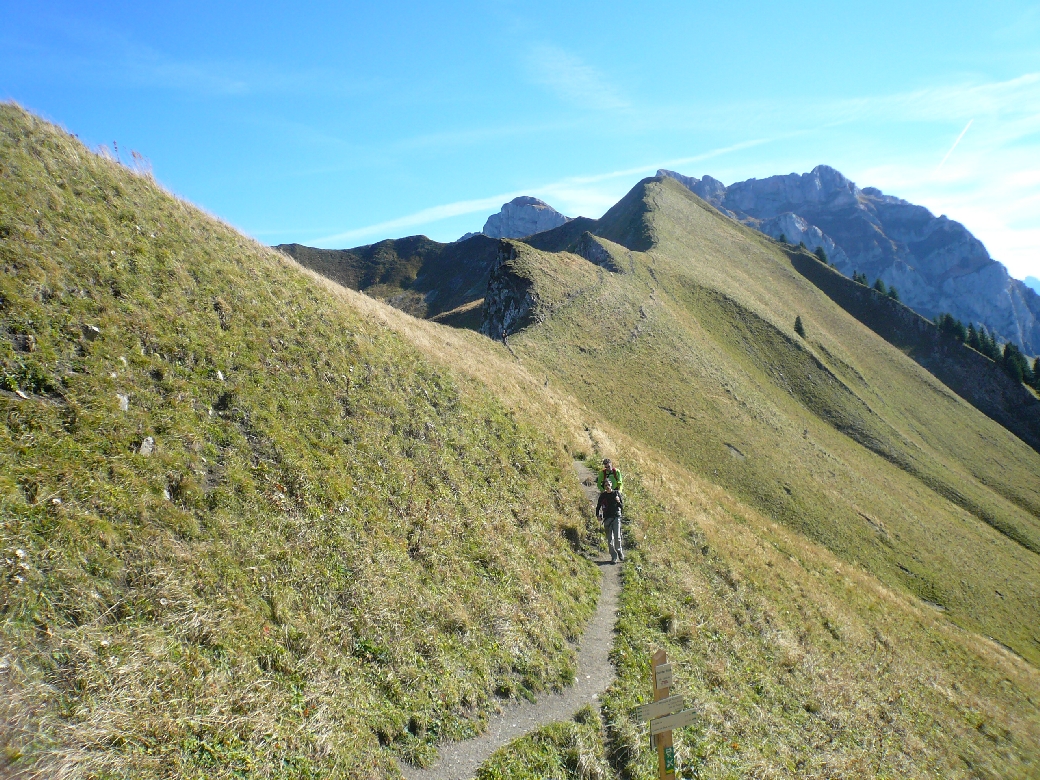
(614, 476)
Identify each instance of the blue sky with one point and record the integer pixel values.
(340, 124)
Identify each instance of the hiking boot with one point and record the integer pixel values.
(621, 555)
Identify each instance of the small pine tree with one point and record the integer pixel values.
(821, 253)
(953, 327)
(880, 286)
(801, 245)
(992, 349)
(798, 327)
(1013, 361)
(893, 293)
(1036, 374)
(973, 338)
(783, 238)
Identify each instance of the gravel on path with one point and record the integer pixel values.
(460, 760)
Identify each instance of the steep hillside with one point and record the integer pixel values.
(811, 521)
(936, 263)
(324, 535)
(247, 530)
(802, 664)
(417, 275)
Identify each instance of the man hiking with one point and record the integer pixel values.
(609, 474)
(608, 510)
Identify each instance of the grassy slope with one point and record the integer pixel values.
(803, 663)
(914, 499)
(335, 542)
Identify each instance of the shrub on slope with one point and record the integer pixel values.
(244, 530)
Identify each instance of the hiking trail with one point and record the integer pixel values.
(460, 760)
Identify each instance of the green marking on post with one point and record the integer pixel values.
(669, 759)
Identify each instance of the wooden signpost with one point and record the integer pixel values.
(665, 714)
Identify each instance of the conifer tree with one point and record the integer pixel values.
(959, 331)
(1013, 362)
(992, 348)
(798, 327)
(973, 338)
(879, 285)
(821, 253)
(893, 293)
(783, 238)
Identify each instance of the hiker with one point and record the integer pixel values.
(609, 474)
(608, 510)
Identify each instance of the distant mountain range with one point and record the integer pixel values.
(936, 264)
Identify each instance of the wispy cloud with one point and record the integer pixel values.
(565, 192)
(423, 217)
(572, 79)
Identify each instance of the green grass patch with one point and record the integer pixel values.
(246, 531)
(571, 750)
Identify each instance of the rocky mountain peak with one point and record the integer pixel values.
(936, 263)
(521, 217)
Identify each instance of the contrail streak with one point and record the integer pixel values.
(947, 157)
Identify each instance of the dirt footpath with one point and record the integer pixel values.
(460, 760)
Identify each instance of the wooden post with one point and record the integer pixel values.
(665, 750)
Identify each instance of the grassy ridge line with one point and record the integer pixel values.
(414, 274)
(693, 351)
(333, 544)
(834, 663)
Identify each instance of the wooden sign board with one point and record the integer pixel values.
(670, 722)
(663, 676)
(659, 709)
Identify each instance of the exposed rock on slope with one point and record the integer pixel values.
(509, 303)
(936, 263)
(522, 217)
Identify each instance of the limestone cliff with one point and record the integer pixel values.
(522, 217)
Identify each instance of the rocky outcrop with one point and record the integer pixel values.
(936, 263)
(793, 229)
(509, 303)
(522, 217)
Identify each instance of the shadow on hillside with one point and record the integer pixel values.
(972, 376)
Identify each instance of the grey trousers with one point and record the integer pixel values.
(612, 525)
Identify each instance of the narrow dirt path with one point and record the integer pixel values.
(460, 760)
